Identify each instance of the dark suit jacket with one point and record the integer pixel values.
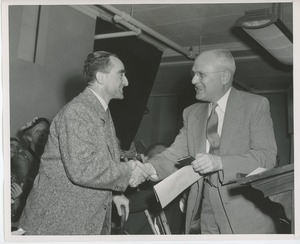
(72, 193)
(247, 142)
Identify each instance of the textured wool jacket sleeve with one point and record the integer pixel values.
(86, 156)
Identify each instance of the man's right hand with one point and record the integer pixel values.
(141, 172)
(138, 175)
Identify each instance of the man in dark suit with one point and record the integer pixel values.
(80, 168)
(227, 132)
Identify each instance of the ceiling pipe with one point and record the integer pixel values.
(127, 25)
(145, 38)
(124, 17)
(133, 31)
(116, 34)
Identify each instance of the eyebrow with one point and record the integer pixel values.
(122, 71)
(195, 72)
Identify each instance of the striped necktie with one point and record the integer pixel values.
(214, 141)
(212, 131)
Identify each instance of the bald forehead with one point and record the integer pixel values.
(216, 59)
(116, 62)
(206, 61)
(208, 56)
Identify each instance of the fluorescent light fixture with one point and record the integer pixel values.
(270, 32)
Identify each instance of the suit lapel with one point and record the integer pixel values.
(199, 128)
(232, 119)
(106, 120)
(113, 144)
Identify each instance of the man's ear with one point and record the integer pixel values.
(100, 77)
(225, 77)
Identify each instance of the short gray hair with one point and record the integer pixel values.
(225, 59)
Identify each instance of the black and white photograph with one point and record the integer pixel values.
(149, 121)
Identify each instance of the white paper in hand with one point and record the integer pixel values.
(173, 185)
(257, 171)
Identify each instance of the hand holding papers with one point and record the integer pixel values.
(176, 183)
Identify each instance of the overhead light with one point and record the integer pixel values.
(270, 32)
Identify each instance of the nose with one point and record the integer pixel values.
(125, 81)
(195, 79)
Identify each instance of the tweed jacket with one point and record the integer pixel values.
(247, 142)
(80, 168)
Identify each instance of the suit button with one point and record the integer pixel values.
(105, 207)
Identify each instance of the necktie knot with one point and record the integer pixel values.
(213, 107)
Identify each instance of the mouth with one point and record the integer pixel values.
(198, 89)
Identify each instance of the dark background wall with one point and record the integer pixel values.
(141, 61)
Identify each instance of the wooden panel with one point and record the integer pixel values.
(276, 183)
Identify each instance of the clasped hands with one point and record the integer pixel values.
(141, 172)
(203, 164)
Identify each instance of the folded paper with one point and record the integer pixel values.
(173, 185)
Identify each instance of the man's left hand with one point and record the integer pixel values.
(206, 163)
(121, 200)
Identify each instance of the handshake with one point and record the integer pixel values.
(141, 172)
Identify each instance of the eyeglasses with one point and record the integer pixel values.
(202, 75)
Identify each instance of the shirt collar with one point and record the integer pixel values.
(223, 101)
(101, 100)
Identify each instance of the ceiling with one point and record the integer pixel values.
(185, 24)
(206, 26)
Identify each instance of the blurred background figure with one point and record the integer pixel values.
(14, 146)
(155, 149)
(35, 135)
(16, 189)
(25, 162)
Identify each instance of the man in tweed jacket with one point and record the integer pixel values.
(80, 168)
